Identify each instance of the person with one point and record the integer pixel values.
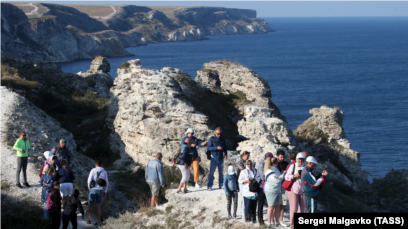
(189, 134)
(97, 192)
(70, 207)
(22, 146)
(241, 165)
(66, 178)
(245, 178)
(51, 164)
(303, 186)
(55, 212)
(62, 152)
(218, 148)
(273, 192)
(46, 182)
(48, 156)
(231, 190)
(154, 178)
(186, 157)
(292, 158)
(313, 181)
(281, 166)
(296, 194)
(260, 178)
(305, 154)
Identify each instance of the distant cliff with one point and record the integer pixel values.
(60, 33)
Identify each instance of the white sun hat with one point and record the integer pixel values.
(189, 130)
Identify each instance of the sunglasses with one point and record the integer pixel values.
(24, 135)
(218, 134)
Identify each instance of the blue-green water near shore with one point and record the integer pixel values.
(358, 64)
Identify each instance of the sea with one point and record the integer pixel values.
(359, 64)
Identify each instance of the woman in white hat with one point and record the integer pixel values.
(296, 194)
(190, 134)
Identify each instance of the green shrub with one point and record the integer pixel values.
(124, 65)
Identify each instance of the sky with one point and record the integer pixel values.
(283, 8)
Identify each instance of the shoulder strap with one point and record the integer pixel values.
(98, 175)
(268, 176)
(213, 141)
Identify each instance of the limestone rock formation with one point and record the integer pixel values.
(149, 115)
(232, 77)
(264, 132)
(323, 136)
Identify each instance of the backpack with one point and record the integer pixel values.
(263, 187)
(101, 182)
(50, 203)
(42, 169)
(176, 158)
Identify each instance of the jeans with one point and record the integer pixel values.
(214, 165)
(250, 210)
(21, 165)
(46, 212)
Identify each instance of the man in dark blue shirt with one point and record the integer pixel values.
(218, 148)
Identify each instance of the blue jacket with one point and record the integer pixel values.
(215, 153)
(48, 179)
(260, 176)
(230, 183)
(186, 155)
(313, 185)
(154, 171)
(196, 142)
(65, 175)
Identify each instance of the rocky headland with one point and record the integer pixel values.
(61, 33)
(126, 121)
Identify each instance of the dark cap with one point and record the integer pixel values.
(268, 155)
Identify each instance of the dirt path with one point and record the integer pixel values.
(108, 16)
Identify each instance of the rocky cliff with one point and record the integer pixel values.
(59, 33)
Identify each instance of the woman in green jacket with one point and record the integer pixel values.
(22, 146)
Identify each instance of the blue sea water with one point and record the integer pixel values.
(358, 64)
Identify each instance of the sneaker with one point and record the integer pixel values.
(221, 187)
(209, 189)
(277, 225)
(95, 225)
(89, 222)
(229, 216)
(26, 184)
(19, 185)
(197, 185)
(235, 216)
(283, 224)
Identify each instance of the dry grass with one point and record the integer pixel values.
(94, 10)
(5, 185)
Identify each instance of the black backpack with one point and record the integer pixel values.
(101, 182)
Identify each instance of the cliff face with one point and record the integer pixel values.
(59, 33)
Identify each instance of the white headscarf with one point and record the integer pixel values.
(47, 154)
(253, 168)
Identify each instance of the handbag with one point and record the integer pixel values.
(254, 185)
(287, 185)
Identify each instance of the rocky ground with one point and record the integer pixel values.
(197, 209)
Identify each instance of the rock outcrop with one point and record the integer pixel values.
(148, 114)
(323, 136)
(231, 77)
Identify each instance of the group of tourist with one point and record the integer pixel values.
(57, 181)
(304, 189)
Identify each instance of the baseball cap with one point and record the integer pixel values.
(63, 142)
(268, 155)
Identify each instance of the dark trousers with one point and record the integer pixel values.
(261, 201)
(67, 218)
(21, 165)
(250, 210)
(56, 220)
(233, 196)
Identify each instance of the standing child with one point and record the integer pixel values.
(231, 190)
